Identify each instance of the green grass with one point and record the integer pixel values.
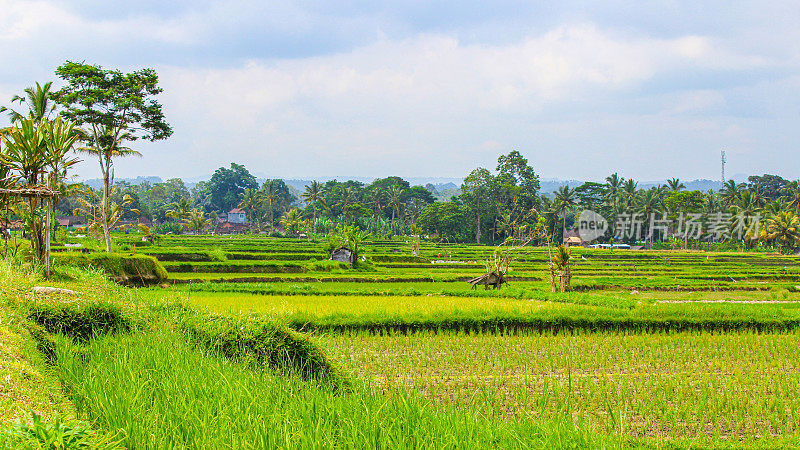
(163, 393)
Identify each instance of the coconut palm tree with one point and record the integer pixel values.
(730, 192)
(251, 201)
(791, 195)
(197, 221)
(747, 203)
(648, 204)
(377, 198)
(37, 100)
(563, 200)
(101, 214)
(179, 210)
(269, 192)
(108, 146)
(675, 185)
(394, 196)
(60, 137)
(313, 195)
(783, 228)
(711, 202)
(628, 192)
(774, 208)
(292, 220)
(347, 198)
(613, 185)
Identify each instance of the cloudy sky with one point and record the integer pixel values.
(649, 89)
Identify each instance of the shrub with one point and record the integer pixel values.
(78, 320)
(217, 255)
(263, 342)
(326, 266)
(124, 269)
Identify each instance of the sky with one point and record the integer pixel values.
(648, 89)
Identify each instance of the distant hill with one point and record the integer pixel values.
(97, 183)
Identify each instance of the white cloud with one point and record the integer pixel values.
(411, 103)
(431, 95)
(24, 21)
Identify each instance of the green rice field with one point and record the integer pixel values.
(654, 349)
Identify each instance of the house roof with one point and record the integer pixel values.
(236, 211)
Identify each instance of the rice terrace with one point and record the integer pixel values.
(213, 286)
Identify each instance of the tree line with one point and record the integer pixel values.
(101, 113)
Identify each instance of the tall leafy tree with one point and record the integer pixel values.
(767, 186)
(227, 184)
(476, 196)
(112, 107)
(516, 166)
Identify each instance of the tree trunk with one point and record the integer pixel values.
(478, 229)
(271, 218)
(104, 209)
(47, 240)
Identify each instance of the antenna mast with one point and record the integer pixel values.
(722, 160)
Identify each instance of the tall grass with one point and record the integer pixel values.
(162, 393)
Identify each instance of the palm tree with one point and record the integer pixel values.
(629, 188)
(107, 146)
(355, 237)
(613, 185)
(179, 210)
(101, 214)
(564, 199)
(675, 185)
(774, 208)
(791, 195)
(747, 203)
(394, 195)
(292, 220)
(196, 221)
(711, 202)
(251, 201)
(313, 195)
(38, 101)
(377, 199)
(730, 192)
(783, 228)
(60, 137)
(348, 197)
(269, 192)
(647, 204)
